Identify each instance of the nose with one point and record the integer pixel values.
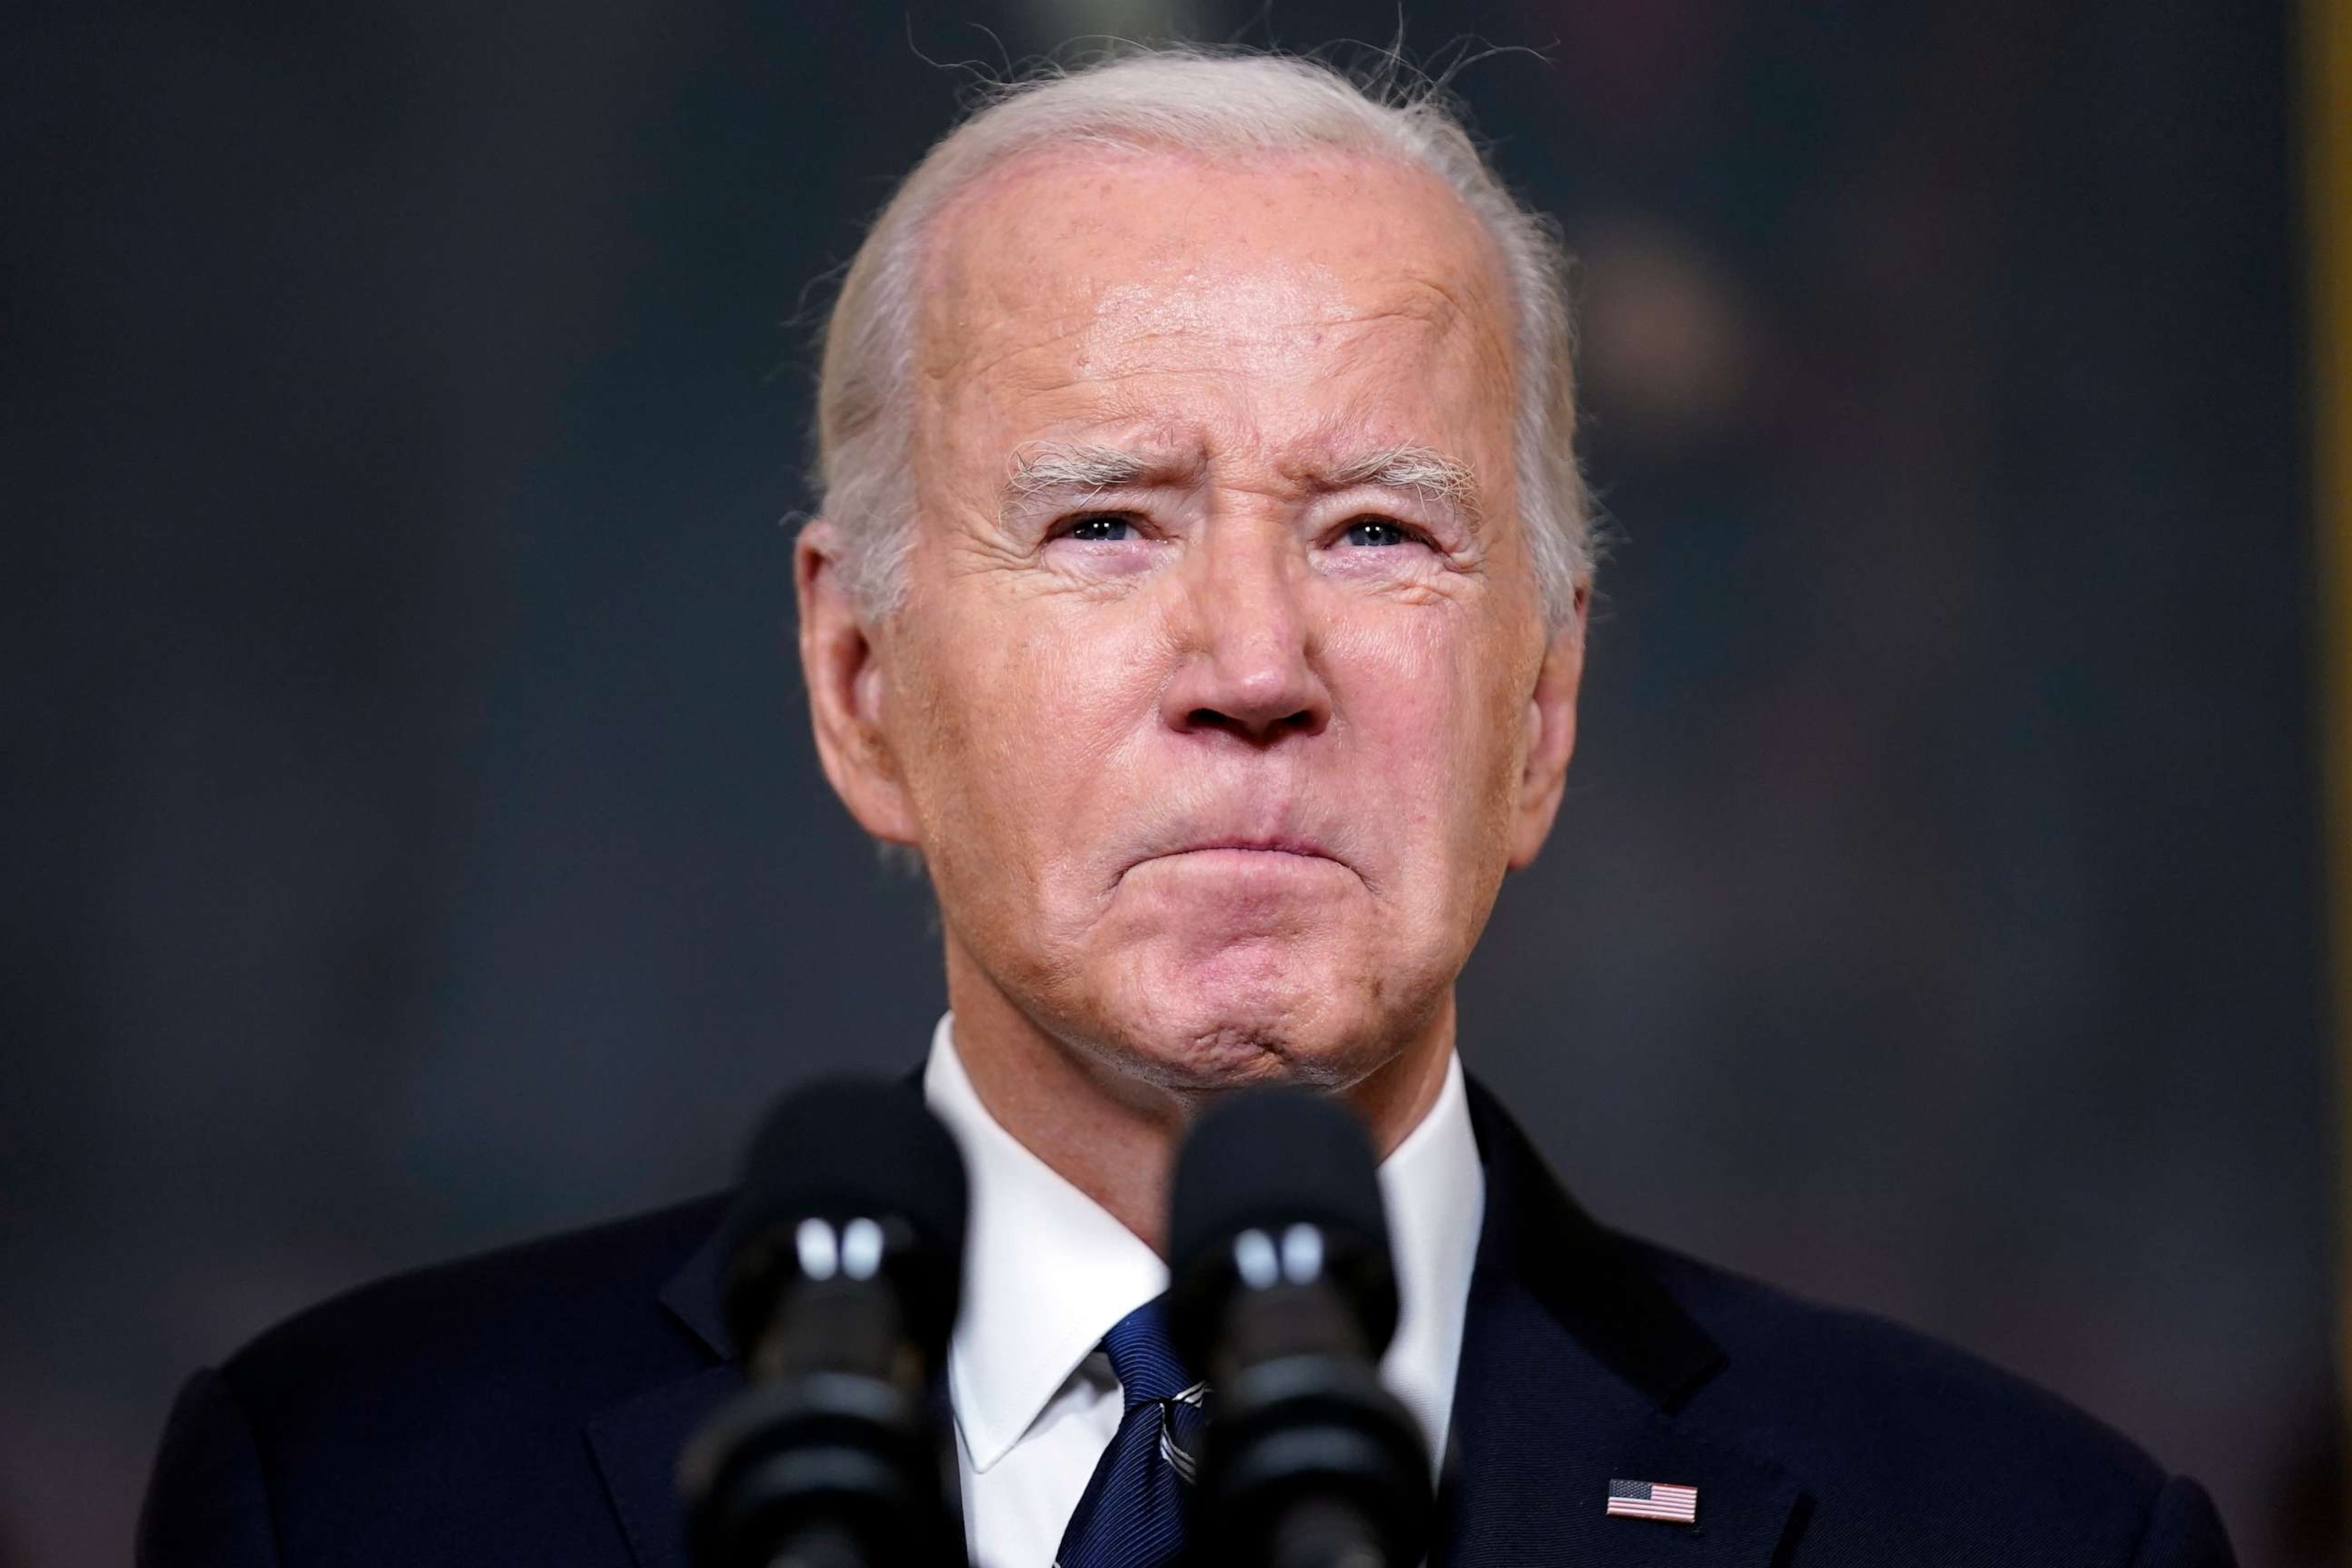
(1248, 665)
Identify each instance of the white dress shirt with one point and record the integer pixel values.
(1047, 1271)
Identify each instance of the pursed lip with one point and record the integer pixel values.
(1261, 844)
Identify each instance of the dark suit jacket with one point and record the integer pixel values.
(528, 1407)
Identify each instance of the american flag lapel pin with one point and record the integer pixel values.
(1648, 1500)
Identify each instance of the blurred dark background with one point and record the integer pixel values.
(414, 841)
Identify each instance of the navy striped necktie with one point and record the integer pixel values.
(1133, 1512)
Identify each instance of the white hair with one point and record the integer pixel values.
(1214, 104)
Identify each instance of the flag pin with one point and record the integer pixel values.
(1649, 1500)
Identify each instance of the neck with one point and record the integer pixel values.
(1111, 1131)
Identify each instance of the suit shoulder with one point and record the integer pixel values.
(571, 1318)
(1897, 1433)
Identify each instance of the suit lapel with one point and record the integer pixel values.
(1574, 1362)
(636, 1442)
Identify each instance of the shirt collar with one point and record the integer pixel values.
(1048, 1270)
(1434, 1189)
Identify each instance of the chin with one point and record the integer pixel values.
(1200, 1031)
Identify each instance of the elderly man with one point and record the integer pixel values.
(1200, 590)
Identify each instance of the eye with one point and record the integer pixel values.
(1101, 528)
(1374, 533)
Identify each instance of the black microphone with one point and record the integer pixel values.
(1283, 1298)
(846, 1250)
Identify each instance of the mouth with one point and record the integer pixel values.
(1267, 850)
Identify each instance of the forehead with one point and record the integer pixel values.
(1075, 287)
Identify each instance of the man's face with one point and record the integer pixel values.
(1220, 699)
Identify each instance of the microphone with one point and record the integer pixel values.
(1283, 1298)
(846, 1267)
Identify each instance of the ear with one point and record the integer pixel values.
(846, 690)
(1551, 737)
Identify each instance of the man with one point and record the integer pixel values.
(1200, 590)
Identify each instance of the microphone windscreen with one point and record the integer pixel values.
(1268, 1159)
(842, 1148)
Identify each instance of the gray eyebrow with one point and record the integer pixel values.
(1419, 470)
(1052, 468)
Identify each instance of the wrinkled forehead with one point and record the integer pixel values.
(1091, 266)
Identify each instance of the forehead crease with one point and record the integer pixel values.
(1459, 309)
(1001, 237)
(1435, 297)
(964, 339)
(1009, 320)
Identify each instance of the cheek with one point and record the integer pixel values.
(1023, 707)
(1429, 697)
